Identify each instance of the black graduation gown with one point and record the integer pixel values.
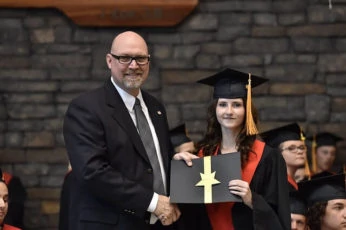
(270, 199)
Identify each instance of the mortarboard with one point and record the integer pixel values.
(178, 135)
(297, 203)
(290, 132)
(232, 84)
(321, 139)
(275, 137)
(323, 189)
(325, 138)
(206, 181)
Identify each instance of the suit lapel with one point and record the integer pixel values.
(123, 118)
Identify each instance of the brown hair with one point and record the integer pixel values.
(213, 135)
(315, 214)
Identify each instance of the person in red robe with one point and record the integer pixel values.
(263, 186)
(4, 199)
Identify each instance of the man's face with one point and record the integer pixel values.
(335, 215)
(325, 156)
(128, 76)
(298, 222)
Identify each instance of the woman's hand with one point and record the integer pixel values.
(242, 189)
(186, 156)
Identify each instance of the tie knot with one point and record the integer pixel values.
(137, 102)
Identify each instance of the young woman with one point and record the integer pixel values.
(289, 140)
(263, 187)
(4, 198)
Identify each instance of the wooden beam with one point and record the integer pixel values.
(114, 12)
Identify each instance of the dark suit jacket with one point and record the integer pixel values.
(113, 174)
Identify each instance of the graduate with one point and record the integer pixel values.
(323, 151)
(231, 127)
(298, 211)
(289, 140)
(180, 140)
(4, 202)
(326, 201)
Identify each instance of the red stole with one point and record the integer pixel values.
(6, 177)
(220, 214)
(292, 182)
(9, 227)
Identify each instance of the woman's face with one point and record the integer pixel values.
(325, 156)
(294, 153)
(230, 113)
(3, 201)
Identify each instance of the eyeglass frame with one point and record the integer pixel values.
(131, 59)
(296, 148)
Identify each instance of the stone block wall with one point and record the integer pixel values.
(46, 60)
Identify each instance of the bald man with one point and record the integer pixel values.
(111, 164)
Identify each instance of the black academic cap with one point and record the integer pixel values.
(323, 189)
(206, 181)
(178, 135)
(297, 203)
(230, 83)
(325, 138)
(275, 137)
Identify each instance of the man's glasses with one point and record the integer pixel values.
(294, 148)
(140, 60)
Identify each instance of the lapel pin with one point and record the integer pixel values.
(159, 112)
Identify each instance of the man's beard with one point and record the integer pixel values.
(133, 83)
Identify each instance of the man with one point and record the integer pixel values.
(118, 144)
(180, 141)
(290, 140)
(298, 211)
(326, 202)
(323, 152)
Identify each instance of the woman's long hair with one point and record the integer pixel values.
(213, 135)
(315, 214)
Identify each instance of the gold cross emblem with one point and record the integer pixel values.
(207, 180)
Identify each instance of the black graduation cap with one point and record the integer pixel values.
(206, 181)
(297, 203)
(230, 83)
(178, 135)
(275, 137)
(323, 189)
(325, 138)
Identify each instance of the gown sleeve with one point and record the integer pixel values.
(270, 195)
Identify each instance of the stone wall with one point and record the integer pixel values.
(46, 60)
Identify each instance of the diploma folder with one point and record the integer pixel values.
(206, 181)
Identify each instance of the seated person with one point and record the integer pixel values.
(301, 174)
(289, 139)
(326, 202)
(180, 141)
(298, 211)
(15, 214)
(4, 199)
(323, 151)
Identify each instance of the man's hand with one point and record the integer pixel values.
(168, 213)
(186, 156)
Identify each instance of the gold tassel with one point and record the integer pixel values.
(251, 128)
(313, 154)
(307, 171)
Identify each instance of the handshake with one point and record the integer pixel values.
(167, 212)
